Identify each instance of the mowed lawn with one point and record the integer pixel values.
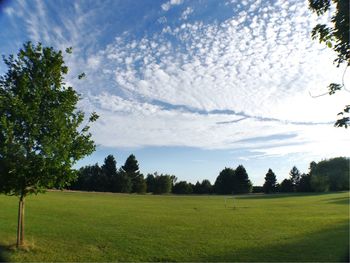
(70, 226)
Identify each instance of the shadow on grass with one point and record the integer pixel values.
(3, 256)
(328, 245)
(281, 195)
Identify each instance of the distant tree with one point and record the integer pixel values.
(270, 182)
(336, 36)
(232, 181)
(122, 182)
(242, 184)
(197, 188)
(139, 185)
(286, 186)
(150, 181)
(109, 169)
(162, 184)
(182, 187)
(206, 187)
(131, 165)
(304, 183)
(224, 183)
(257, 189)
(131, 168)
(295, 177)
(40, 139)
(331, 175)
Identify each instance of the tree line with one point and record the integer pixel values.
(327, 175)
(324, 176)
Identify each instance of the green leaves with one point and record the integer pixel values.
(333, 87)
(39, 123)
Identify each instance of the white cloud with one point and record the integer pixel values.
(207, 85)
(186, 13)
(167, 5)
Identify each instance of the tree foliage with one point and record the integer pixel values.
(232, 181)
(335, 36)
(331, 175)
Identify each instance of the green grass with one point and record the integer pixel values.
(66, 226)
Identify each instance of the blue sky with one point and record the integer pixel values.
(191, 87)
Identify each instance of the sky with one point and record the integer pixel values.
(193, 86)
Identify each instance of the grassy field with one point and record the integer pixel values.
(67, 226)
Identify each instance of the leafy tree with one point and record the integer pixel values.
(40, 139)
(332, 175)
(270, 182)
(286, 186)
(295, 176)
(335, 36)
(224, 183)
(182, 187)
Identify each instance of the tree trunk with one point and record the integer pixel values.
(20, 226)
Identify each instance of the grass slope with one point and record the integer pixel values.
(67, 226)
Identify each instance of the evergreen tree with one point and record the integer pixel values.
(139, 184)
(242, 182)
(286, 186)
(109, 169)
(270, 182)
(295, 177)
(150, 181)
(162, 184)
(224, 183)
(131, 168)
(304, 183)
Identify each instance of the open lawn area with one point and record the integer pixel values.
(76, 226)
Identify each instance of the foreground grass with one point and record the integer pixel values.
(66, 226)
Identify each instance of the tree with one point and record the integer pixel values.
(224, 183)
(232, 181)
(109, 169)
(331, 175)
(295, 177)
(336, 37)
(131, 168)
(122, 182)
(270, 182)
(40, 139)
(150, 181)
(243, 184)
(304, 183)
(286, 186)
(182, 187)
(162, 184)
(139, 185)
